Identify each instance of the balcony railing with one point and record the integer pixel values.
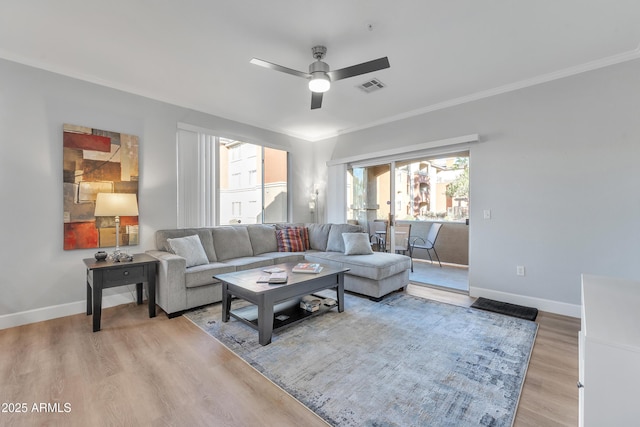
(452, 244)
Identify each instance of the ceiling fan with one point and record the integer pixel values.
(320, 77)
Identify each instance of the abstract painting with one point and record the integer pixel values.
(97, 161)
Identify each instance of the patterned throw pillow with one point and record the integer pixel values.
(290, 240)
(304, 235)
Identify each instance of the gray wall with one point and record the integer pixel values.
(557, 165)
(38, 278)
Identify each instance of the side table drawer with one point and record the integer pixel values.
(132, 274)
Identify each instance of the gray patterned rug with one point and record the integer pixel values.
(405, 361)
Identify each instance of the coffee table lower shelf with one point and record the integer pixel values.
(285, 314)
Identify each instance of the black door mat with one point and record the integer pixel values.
(527, 313)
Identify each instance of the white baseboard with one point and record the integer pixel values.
(62, 310)
(572, 310)
(55, 311)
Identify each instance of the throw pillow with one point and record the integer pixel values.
(189, 248)
(335, 242)
(304, 232)
(290, 240)
(356, 244)
(304, 235)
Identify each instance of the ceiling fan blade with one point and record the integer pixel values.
(277, 67)
(356, 70)
(316, 100)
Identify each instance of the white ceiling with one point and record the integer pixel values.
(195, 53)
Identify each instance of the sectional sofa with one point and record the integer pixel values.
(186, 268)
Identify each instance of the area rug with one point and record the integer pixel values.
(405, 361)
(528, 313)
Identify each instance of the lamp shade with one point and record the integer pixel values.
(116, 204)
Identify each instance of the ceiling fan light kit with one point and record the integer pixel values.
(320, 76)
(319, 82)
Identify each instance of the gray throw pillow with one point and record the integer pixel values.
(335, 242)
(356, 244)
(189, 248)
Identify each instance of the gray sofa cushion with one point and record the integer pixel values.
(376, 266)
(318, 236)
(231, 242)
(203, 274)
(282, 257)
(247, 263)
(335, 242)
(263, 238)
(203, 233)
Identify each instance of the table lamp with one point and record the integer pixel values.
(117, 205)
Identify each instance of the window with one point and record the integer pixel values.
(225, 181)
(264, 188)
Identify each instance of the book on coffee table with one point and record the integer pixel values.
(310, 303)
(307, 267)
(273, 278)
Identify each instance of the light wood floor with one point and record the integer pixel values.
(138, 371)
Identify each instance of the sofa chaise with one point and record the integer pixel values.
(190, 257)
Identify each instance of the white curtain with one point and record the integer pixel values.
(196, 156)
(336, 194)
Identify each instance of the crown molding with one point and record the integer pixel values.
(544, 78)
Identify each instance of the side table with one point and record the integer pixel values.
(108, 274)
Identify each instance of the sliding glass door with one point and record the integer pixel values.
(401, 200)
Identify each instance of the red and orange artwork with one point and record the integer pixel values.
(97, 161)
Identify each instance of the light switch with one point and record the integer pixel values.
(487, 214)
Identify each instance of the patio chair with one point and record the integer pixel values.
(428, 244)
(377, 233)
(402, 233)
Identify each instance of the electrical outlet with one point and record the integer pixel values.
(520, 270)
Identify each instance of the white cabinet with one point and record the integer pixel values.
(609, 352)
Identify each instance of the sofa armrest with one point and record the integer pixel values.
(171, 295)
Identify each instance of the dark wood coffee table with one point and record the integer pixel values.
(277, 305)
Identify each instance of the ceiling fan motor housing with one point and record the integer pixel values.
(318, 67)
